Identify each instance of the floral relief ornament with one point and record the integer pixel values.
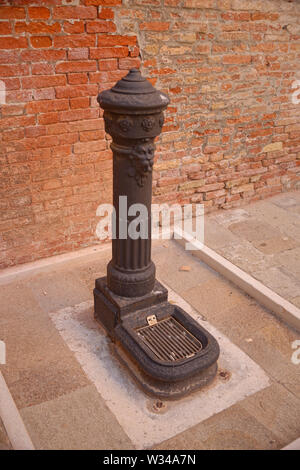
(125, 124)
(148, 123)
(142, 158)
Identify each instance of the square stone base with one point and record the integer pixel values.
(110, 308)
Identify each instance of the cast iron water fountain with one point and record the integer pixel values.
(167, 351)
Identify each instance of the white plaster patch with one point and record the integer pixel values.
(129, 404)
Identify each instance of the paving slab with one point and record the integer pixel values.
(169, 262)
(273, 214)
(57, 289)
(15, 302)
(271, 347)
(39, 365)
(232, 429)
(230, 217)
(215, 297)
(217, 236)
(275, 245)
(78, 420)
(252, 230)
(286, 201)
(280, 282)
(244, 255)
(278, 410)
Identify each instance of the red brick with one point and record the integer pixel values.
(78, 115)
(12, 110)
(48, 118)
(77, 78)
(47, 105)
(91, 135)
(75, 91)
(82, 102)
(76, 12)
(13, 43)
(21, 121)
(128, 63)
(13, 70)
(9, 57)
(101, 77)
(6, 28)
(108, 64)
(42, 69)
(12, 13)
(100, 26)
(116, 40)
(38, 13)
(86, 66)
(43, 81)
(73, 28)
(37, 27)
(106, 14)
(108, 52)
(78, 53)
(74, 41)
(41, 41)
(43, 56)
(85, 147)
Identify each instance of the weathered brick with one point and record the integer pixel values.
(43, 81)
(108, 52)
(106, 13)
(75, 91)
(86, 66)
(109, 40)
(100, 26)
(128, 63)
(40, 41)
(13, 43)
(37, 27)
(73, 40)
(76, 12)
(12, 13)
(38, 13)
(73, 27)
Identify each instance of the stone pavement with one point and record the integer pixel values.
(263, 239)
(4, 441)
(62, 408)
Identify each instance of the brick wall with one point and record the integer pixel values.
(232, 132)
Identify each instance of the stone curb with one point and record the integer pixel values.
(11, 418)
(283, 309)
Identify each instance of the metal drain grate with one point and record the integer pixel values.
(169, 340)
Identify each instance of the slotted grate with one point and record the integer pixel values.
(169, 340)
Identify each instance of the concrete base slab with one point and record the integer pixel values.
(145, 421)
